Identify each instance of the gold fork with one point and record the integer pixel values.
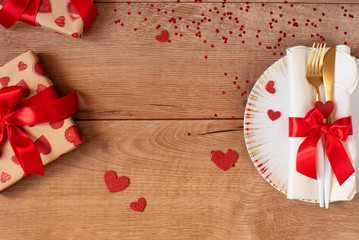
(314, 75)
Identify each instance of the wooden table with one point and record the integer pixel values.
(154, 111)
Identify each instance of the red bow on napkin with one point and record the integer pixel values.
(26, 11)
(44, 107)
(312, 127)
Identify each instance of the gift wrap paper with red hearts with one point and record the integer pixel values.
(51, 139)
(59, 16)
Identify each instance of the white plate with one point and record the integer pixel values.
(267, 140)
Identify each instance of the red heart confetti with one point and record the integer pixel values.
(138, 206)
(43, 145)
(115, 184)
(5, 177)
(326, 109)
(25, 87)
(22, 66)
(163, 37)
(273, 115)
(224, 161)
(270, 87)
(4, 81)
(73, 135)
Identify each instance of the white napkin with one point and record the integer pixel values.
(302, 99)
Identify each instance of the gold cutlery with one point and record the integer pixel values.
(328, 79)
(314, 75)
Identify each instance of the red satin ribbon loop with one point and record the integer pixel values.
(26, 11)
(46, 106)
(312, 127)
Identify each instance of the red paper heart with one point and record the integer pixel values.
(138, 206)
(115, 184)
(273, 115)
(60, 21)
(57, 124)
(73, 135)
(22, 66)
(14, 159)
(75, 35)
(163, 37)
(5, 177)
(40, 87)
(326, 109)
(72, 11)
(4, 81)
(43, 145)
(38, 69)
(45, 6)
(25, 87)
(270, 88)
(224, 162)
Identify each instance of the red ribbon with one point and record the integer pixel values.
(26, 11)
(44, 107)
(312, 127)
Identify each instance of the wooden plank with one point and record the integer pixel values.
(236, 1)
(188, 197)
(125, 74)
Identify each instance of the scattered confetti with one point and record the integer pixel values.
(224, 161)
(115, 184)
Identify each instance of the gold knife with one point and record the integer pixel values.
(328, 80)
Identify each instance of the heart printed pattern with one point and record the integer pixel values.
(326, 109)
(40, 87)
(72, 11)
(60, 21)
(273, 115)
(4, 81)
(38, 69)
(270, 87)
(73, 135)
(115, 184)
(224, 161)
(14, 159)
(163, 37)
(5, 177)
(57, 124)
(43, 145)
(45, 6)
(25, 87)
(22, 66)
(138, 206)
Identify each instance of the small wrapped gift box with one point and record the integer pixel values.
(35, 124)
(68, 17)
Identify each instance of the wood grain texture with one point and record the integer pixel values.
(136, 77)
(139, 99)
(188, 197)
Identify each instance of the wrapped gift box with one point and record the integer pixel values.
(60, 16)
(51, 139)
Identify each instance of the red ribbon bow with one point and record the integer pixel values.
(26, 11)
(44, 107)
(312, 127)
